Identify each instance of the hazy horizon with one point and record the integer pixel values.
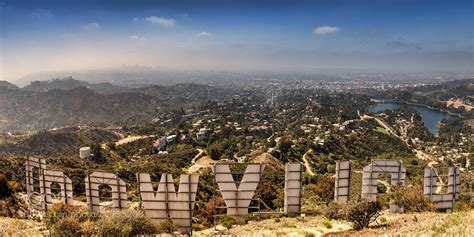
(316, 36)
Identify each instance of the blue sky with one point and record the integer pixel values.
(315, 36)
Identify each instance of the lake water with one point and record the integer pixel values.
(430, 117)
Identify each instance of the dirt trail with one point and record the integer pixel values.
(195, 164)
(419, 154)
(306, 162)
(131, 139)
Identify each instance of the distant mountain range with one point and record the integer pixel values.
(69, 83)
(59, 103)
(125, 76)
(8, 85)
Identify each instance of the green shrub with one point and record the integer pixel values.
(166, 227)
(88, 228)
(327, 224)
(334, 211)
(125, 223)
(363, 212)
(5, 189)
(68, 226)
(229, 221)
(461, 206)
(60, 211)
(13, 207)
(325, 188)
(411, 198)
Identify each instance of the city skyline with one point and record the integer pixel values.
(404, 36)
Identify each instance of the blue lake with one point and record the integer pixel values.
(430, 117)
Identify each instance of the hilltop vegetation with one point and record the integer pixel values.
(8, 85)
(56, 143)
(23, 110)
(70, 83)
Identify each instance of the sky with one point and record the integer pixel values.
(351, 35)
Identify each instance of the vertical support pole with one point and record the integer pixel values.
(431, 183)
(139, 192)
(259, 180)
(214, 197)
(43, 191)
(166, 197)
(65, 189)
(237, 198)
(349, 182)
(91, 205)
(190, 205)
(28, 182)
(336, 189)
(28, 176)
(300, 193)
(399, 173)
(118, 192)
(454, 186)
(370, 179)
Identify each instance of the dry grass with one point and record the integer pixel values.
(389, 224)
(411, 224)
(458, 103)
(19, 227)
(285, 226)
(418, 224)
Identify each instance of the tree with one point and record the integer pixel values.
(363, 212)
(5, 190)
(325, 188)
(285, 145)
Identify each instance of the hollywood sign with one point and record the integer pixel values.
(168, 204)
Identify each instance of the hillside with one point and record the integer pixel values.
(70, 83)
(56, 143)
(389, 224)
(8, 85)
(24, 110)
(30, 111)
(410, 224)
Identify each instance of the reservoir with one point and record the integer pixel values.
(430, 117)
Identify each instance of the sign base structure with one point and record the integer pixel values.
(342, 185)
(42, 184)
(293, 183)
(371, 174)
(237, 199)
(443, 201)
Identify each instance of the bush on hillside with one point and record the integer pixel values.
(334, 211)
(5, 190)
(60, 211)
(325, 188)
(363, 212)
(229, 221)
(411, 198)
(67, 226)
(13, 207)
(125, 223)
(68, 220)
(167, 227)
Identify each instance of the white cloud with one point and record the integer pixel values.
(203, 34)
(136, 38)
(322, 30)
(91, 26)
(161, 21)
